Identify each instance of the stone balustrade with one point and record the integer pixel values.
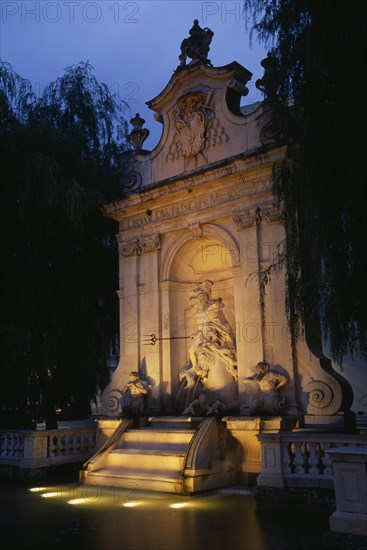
(301, 459)
(40, 449)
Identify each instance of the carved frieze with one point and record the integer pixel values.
(265, 214)
(134, 247)
(148, 244)
(186, 206)
(245, 220)
(270, 214)
(129, 248)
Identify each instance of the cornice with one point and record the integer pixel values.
(258, 159)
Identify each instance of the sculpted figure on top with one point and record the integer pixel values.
(196, 46)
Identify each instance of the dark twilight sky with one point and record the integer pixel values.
(133, 46)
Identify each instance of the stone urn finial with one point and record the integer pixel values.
(270, 81)
(138, 134)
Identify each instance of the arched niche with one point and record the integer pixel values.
(211, 257)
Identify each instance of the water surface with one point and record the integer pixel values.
(73, 516)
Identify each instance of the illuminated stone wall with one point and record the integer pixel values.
(199, 206)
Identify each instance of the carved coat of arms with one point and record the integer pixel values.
(196, 126)
(190, 125)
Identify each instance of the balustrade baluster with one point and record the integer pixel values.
(312, 458)
(20, 445)
(299, 459)
(83, 443)
(86, 442)
(66, 444)
(61, 445)
(91, 438)
(10, 444)
(326, 462)
(70, 446)
(15, 445)
(76, 446)
(320, 455)
(2, 445)
(52, 445)
(289, 464)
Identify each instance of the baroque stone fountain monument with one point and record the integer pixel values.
(207, 364)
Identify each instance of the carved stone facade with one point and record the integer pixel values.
(198, 208)
(133, 247)
(212, 367)
(197, 127)
(267, 213)
(265, 397)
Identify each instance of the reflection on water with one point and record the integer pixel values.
(93, 517)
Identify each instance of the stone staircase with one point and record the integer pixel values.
(150, 457)
(162, 455)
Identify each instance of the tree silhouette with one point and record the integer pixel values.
(320, 47)
(59, 311)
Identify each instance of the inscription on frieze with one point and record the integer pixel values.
(186, 207)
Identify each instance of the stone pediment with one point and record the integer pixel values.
(203, 124)
(203, 75)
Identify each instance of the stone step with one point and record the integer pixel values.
(161, 481)
(181, 422)
(150, 457)
(156, 439)
(144, 461)
(151, 452)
